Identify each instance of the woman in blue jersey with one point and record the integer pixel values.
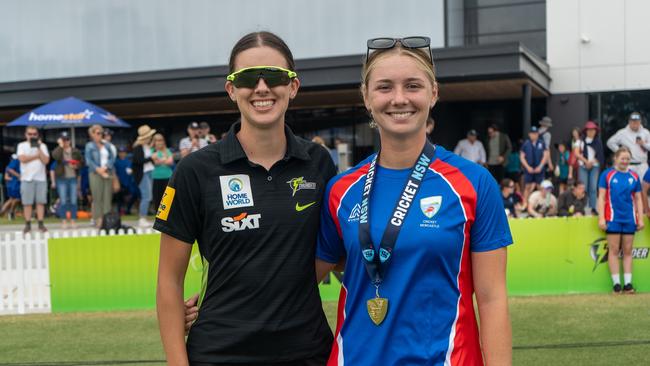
(620, 214)
(421, 229)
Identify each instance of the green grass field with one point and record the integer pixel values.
(559, 330)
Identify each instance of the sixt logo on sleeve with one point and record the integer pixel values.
(240, 222)
(236, 191)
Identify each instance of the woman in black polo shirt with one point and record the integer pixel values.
(252, 203)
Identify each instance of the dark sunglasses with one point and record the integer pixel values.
(272, 75)
(385, 43)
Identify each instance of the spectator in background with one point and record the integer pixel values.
(163, 161)
(333, 152)
(129, 192)
(513, 168)
(544, 125)
(620, 214)
(591, 158)
(573, 155)
(533, 157)
(12, 182)
(471, 148)
(108, 139)
(512, 201)
(68, 160)
(142, 166)
(205, 133)
(193, 141)
(636, 138)
(573, 201)
(498, 152)
(542, 202)
(34, 156)
(101, 169)
(562, 166)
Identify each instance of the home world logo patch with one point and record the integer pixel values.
(236, 191)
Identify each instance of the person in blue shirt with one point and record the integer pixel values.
(620, 214)
(129, 192)
(12, 182)
(442, 228)
(533, 157)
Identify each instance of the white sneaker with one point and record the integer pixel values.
(143, 222)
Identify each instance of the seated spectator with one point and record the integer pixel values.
(512, 201)
(573, 201)
(542, 203)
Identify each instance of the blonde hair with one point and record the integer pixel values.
(319, 140)
(159, 135)
(420, 56)
(94, 128)
(622, 149)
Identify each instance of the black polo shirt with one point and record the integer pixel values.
(256, 231)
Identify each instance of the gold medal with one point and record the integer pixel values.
(377, 308)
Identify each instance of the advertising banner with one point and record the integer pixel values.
(550, 256)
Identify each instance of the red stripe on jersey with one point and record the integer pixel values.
(338, 191)
(336, 356)
(609, 213)
(465, 345)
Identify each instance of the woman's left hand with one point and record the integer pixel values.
(640, 225)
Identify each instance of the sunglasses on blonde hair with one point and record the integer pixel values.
(386, 43)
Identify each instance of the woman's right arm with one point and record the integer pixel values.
(174, 257)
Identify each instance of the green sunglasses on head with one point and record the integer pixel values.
(272, 75)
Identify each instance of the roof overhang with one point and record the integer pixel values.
(484, 72)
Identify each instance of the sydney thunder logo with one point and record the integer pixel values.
(599, 252)
(297, 184)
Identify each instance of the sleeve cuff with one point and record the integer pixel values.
(174, 234)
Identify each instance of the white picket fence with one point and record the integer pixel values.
(24, 268)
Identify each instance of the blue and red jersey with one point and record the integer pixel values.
(428, 284)
(620, 205)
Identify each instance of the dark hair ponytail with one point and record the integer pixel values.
(260, 39)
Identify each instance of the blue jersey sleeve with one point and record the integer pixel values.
(329, 246)
(637, 185)
(602, 181)
(490, 230)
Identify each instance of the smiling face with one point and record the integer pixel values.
(262, 106)
(399, 95)
(622, 160)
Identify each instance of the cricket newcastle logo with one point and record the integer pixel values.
(599, 252)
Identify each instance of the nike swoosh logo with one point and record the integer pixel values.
(301, 208)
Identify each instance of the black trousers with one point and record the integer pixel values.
(497, 172)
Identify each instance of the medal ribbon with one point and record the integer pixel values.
(377, 263)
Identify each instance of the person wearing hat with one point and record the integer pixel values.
(142, 171)
(193, 141)
(542, 202)
(471, 148)
(100, 159)
(636, 138)
(533, 157)
(591, 160)
(205, 133)
(68, 161)
(544, 125)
